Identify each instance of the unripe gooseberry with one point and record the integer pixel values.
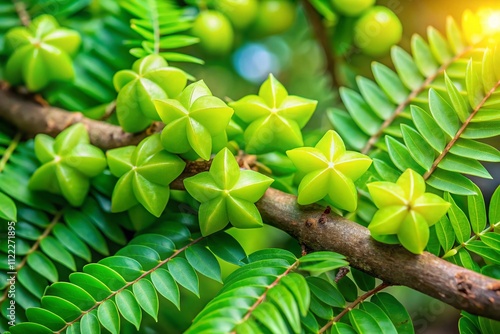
(352, 8)
(377, 30)
(273, 17)
(214, 31)
(241, 13)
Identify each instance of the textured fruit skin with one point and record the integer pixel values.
(377, 30)
(214, 31)
(241, 13)
(327, 172)
(274, 118)
(68, 163)
(352, 8)
(227, 194)
(273, 17)
(40, 53)
(406, 211)
(195, 122)
(145, 172)
(149, 79)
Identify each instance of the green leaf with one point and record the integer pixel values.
(146, 296)
(39, 262)
(492, 240)
(445, 234)
(428, 128)
(146, 256)
(322, 261)
(72, 293)
(97, 289)
(457, 100)
(270, 317)
(31, 328)
(364, 281)
(106, 275)
(423, 57)
(226, 247)
(184, 274)
(109, 317)
(390, 83)
(451, 182)
(494, 210)
(475, 150)
(45, 318)
(63, 308)
(363, 322)
(477, 211)
(375, 98)
(480, 248)
(297, 285)
(81, 225)
(8, 210)
(458, 220)
(166, 286)
(56, 251)
(32, 281)
(203, 261)
(395, 310)
(360, 111)
(419, 149)
(129, 307)
(474, 83)
(325, 292)
(89, 324)
(349, 130)
(443, 113)
(285, 302)
(341, 328)
(457, 164)
(382, 319)
(129, 268)
(407, 70)
(400, 156)
(439, 46)
(161, 244)
(71, 241)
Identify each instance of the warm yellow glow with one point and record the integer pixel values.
(490, 20)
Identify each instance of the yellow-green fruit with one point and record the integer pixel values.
(377, 30)
(214, 31)
(241, 13)
(273, 17)
(352, 8)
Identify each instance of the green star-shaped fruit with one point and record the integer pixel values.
(274, 118)
(227, 194)
(68, 162)
(150, 78)
(145, 173)
(193, 121)
(41, 53)
(406, 210)
(327, 171)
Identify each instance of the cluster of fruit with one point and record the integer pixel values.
(376, 28)
(217, 28)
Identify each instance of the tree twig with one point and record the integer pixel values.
(321, 36)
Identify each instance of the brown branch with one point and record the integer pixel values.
(22, 12)
(321, 36)
(429, 274)
(32, 118)
(457, 286)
